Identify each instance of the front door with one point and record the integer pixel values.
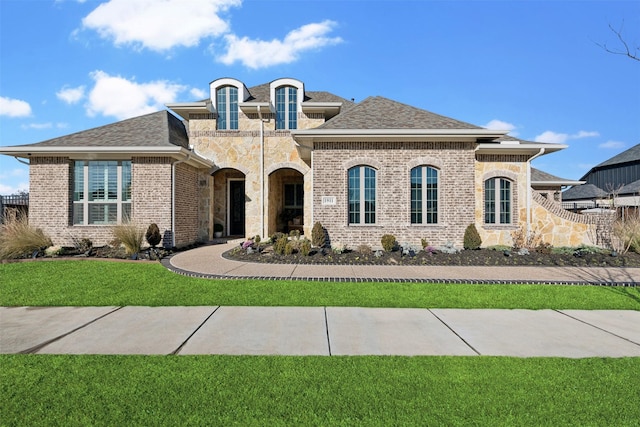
(236, 207)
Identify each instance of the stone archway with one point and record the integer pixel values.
(229, 201)
(286, 201)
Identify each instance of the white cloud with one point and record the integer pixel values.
(198, 93)
(71, 95)
(159, 25)
(612, 144)
(121, 98)
(7, 190)
(561, 138)
(14, 107)
(499, 125)
(38, 126)
(259, 53)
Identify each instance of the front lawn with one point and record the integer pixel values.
(105, 283)
(381, 391)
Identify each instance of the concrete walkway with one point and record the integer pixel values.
(324, 331)
(207, 261)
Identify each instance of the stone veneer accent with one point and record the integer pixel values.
(393, 162)
(236, 155)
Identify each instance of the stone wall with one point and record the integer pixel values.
(393, 162)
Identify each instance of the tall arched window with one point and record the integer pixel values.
(362, 195)
(227, 106)
(424, 195)
(286, 107)
(497, 201)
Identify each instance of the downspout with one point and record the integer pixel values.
(530, 190)
(173, 197)
(262, 224)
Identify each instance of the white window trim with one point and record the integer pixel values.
(424, 195)
(498, 201)
(361, 202)
(287, 111)
(227, 110)
(85, 202)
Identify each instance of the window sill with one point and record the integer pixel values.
(499, 226)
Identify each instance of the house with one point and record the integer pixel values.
(614, 182)
(276, 157)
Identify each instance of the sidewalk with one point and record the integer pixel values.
(207, 261)
(322, 331)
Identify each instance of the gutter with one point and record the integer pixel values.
(173, 197)
(530, 190)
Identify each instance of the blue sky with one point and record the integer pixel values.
(533, 67)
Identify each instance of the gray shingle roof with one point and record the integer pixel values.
(382, 113)
(261, 93)
(538, 175)
(630, 155)
(157, 129)
(631, 188)
(584, 192)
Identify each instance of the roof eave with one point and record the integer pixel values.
(179, 153)
(557, 183)
(255, 107)
(308, 136)
(183, 109)
(518, 148)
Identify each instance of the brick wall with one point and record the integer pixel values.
(187, 204)
(393, 162)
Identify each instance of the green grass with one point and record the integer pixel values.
(105, 283)
(224, 390)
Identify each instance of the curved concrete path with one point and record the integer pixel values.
(207, 261)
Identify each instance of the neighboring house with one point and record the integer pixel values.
(614, 182)
(550, 186)
(15, 204)
(276, 157)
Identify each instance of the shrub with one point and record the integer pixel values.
(276, 236)
(18, 238)
(472, 238)
(257, 238)
(295, 234)
(153, 235)
(288, 248)
(626, 232)
(318, 236)
(544, 248)
(280, 244)
(338, 247)
(130, 236)
(424, 242)
(365, 249)
(305, 247)
(522, 240)
(448, 248)
(388, 242)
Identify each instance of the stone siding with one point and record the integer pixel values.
(393, 162)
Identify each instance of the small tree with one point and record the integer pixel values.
(153, 235)
(388, 242)
(472, 239)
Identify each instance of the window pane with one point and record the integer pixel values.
(126, 212)
(78, 181)
(281, 106)
(233, 108)
(293, 112)
(432, 194)
(489, 202)
(103, 180)
(369, 195)
(222, 108)
(416, 195)
(126, 181)
(354, 195)
(78, 213)
(505, 201)
(103, 213)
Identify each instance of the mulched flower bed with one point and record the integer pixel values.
(479, 257)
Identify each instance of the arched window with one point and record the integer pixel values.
(497, 201)
(227, 106)
(424, 195)
(362, 195)
(286, 107)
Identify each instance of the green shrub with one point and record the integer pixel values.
(18, 238)
(318, 236)
(289, 248)
(388, 242)
(280, 244)
(276, 236)
(305, 247)
(472, 238)
(295, 234)
(257, 238)
(153, 235)
(130, 236)
(424, 242)
(365, 249)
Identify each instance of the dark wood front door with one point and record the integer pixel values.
(236, 208)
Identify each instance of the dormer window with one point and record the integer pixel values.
(286, 107)
(227, 107)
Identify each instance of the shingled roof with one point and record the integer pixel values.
(377, 112)
(584, 192)
(538, 176)
(159, 129)
(630, 155)
(261, 93)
